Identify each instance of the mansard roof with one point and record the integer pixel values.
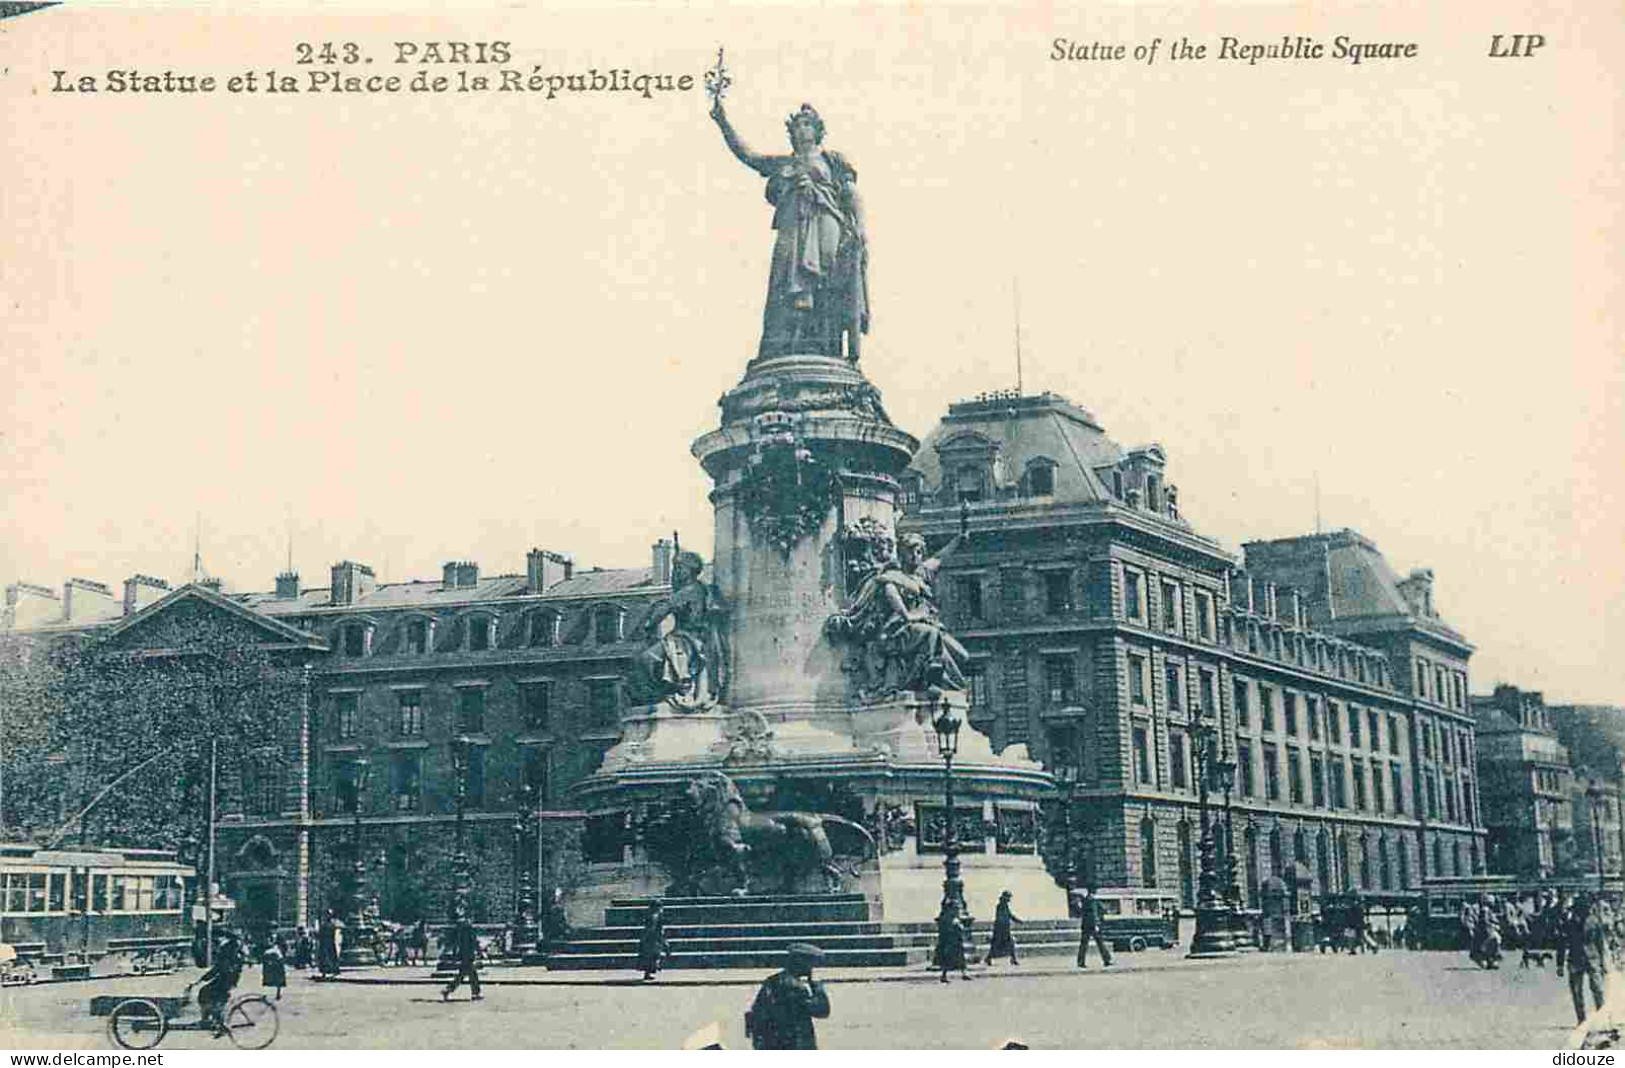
(432, 593)
(1021, 429)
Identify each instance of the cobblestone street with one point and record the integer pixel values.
(1390, 1000)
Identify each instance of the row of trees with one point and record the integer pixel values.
(122, 725)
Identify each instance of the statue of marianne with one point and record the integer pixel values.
(818, 285)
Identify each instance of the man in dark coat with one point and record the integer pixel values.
(1582, 947)
(216, 984)
(1004, 936)
(327, 944)
(1093, 920)
(465, 947)
(652, 946)
(782, 1015)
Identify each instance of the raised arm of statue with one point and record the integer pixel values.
(743, 154)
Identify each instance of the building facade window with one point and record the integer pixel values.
(1397, 778)
(1064, 750)
(1317, 780)
(474, 777)
(1148, 851)
(1272, 773)
(1142, 757)
(1289, 713)
(1172, 616)
(1244, 709)
(480, 629)
(471, 709)
(1058, 592)
(355, 639)
(977, 687)
(1136, 679)
(1041, 479)
(1334, 722)
(1354, 727)
(1176, 692)
(1294, 774)
(1244, 768)
(1060, 681)
(1206, 686)
(1358, 768)
(606, 626)
(538, 773)
(409, 722)
(1311, 712)
(1177, 761)
(347, 712)
(536, 699)
(1338, 772)
(405, 780)
(1393, 733)
(1204, 615)
(1134, 595)
(1266, 707)
(1373, 734)
(544, 629)
(969, 588)
(417, 636)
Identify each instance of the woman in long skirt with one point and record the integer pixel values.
(1004, 938)
(652, 948)
(950, 942)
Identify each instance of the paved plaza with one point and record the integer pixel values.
(1150, 1000)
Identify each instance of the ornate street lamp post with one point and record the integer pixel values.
(1212, 937)
(946, 723)
(459, 859)
(524, 912)
(1224, 780)
(360, 772)
(1066, 778)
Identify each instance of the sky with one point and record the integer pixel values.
(407, 328)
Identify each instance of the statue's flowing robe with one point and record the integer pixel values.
(818, 284)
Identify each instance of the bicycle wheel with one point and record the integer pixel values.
(252, 1022)
(137, 1023)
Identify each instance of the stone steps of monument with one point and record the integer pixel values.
(733, 899)
(678, 912)
(766, 943)
(834, 958)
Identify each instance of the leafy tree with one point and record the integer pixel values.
(126, 722)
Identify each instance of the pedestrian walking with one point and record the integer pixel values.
(327, 944)
(1094, 919)
(951, 940)
(652, 946)
(1004, 938)
(1582, 948)
(304, 949)
(465, 947)
(788, 1002)
(274, 966)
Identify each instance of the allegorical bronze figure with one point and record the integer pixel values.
(818, 285)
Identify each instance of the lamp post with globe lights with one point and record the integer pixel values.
(945, 723)
(1212, 937)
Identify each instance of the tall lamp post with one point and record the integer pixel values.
(946, 722)
(1594, 796)
(360, 772)
(1224, 780)
(1212, 937)
(1066, 780)
(524, 911)
(459, 859)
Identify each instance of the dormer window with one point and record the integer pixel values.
(357, 639)
(1117, 484)
(544, 629)
(912, 483)
(419, 636)
(1153, 493)
(607, 625)
(971, 484)
(481, 633)
(1041, 477)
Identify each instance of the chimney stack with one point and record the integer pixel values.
(28, 605)
(84, 599)
(351, 582)
(142, 590)
(544, 569)
(287, 586)
(1417, 589)
(459, 575)
(660, 573)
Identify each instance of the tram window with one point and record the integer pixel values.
(118, 893)
(98, 894)
(15, 898)
(36, 891)
(79, 878)
(1110, 907)
(1148, 906)
(59, 886)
